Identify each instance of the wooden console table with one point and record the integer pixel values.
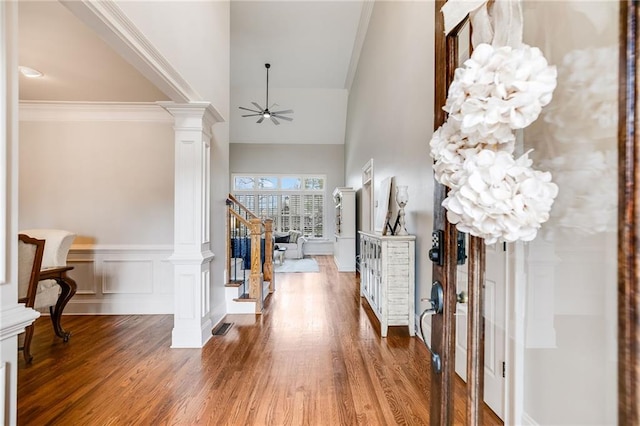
(67, 290)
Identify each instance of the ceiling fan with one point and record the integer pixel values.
(264, 112)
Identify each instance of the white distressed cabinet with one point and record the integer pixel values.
(344, 247)
(387, 278)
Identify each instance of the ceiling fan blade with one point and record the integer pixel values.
(288, 111)
(249, 109)
(258, 106)
(252, 115)
(276, 122)
(260, 120)
(282, 117)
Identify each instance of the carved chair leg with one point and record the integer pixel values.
(26, 348)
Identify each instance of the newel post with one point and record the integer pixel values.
(255, 278)
(192, 254)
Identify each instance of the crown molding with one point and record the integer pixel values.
(184, 113)
(358, 43)
(283, 141)
(93, 111)
(109, 21)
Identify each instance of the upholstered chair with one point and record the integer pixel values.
(293, 241)
(56, 248)
(30, 252)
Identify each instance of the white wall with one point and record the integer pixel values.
(285, 158)
(390, 116)
(220, 148)
(319, 116)
(203, 61)
(111, 182)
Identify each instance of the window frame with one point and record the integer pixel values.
(280, 193)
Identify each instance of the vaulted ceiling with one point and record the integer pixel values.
(309, 44)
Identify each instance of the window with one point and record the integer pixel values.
(293, 202)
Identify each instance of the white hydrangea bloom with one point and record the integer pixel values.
(500, 89)
(450, 149)
(500, 198)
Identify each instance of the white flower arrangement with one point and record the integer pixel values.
(450, 149)
(500, 89)
(501, 197)
(493, 195)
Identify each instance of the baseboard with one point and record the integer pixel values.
(318, 247)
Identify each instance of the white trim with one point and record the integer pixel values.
(111, 23)
(193, 116)
(279, 177)
(515, 310)
(3, 386)
(281, 141)
(118, 248)
(147, 286)
(93, 111)
(358, 43)
(14, 320)
(122, 306)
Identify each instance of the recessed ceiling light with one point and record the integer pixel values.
(30, 72)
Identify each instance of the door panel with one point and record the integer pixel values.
(494, 315)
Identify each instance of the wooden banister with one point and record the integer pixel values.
(241, 206)
(245, 227)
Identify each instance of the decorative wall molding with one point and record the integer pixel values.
(14, 320)
(121, 279)
(93, 111)
(109, 21)
(279, 141)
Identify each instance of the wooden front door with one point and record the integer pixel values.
(447, 51)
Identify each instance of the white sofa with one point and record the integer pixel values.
(293, 241)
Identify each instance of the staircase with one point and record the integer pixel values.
(249, 271)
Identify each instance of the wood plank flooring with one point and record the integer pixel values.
(314, 357)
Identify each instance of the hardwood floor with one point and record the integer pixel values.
(314, 357)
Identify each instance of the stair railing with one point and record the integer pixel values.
(250, 243)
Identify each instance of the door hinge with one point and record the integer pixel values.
(504, 369)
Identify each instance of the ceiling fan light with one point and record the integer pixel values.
(29, 72)
(266, 114)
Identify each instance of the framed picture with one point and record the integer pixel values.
(382, 204)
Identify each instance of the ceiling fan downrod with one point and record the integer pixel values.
(266, 110)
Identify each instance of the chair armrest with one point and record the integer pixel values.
(301, 241)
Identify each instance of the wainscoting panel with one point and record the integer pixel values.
(123, 279)
(82, 274)
(127, 276)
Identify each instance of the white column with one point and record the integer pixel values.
(192, 254)
(14, 316)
